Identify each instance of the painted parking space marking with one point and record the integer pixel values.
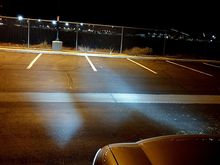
(34, 60)
(142, 66)
(109, 98)
(216, 66)
(186, 67)
(91, 64)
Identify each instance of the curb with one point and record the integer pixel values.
(20, 50)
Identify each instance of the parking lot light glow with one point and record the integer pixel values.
(66, 24)
(39, 20)
(81, 24)
(54, 22)
(20, 18)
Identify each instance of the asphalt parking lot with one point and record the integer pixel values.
(60, 109)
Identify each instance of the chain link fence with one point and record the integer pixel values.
(37, 33)
(85, 37)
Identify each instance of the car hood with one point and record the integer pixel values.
(165, 150)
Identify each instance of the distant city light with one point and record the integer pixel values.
(20, 18)
(81, 24)
(166, 36)
(54, 22)
(66, 24)
(214, 37)
(39, 20)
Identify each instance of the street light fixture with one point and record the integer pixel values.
(20, 18)
(54, 22)
(213, 36)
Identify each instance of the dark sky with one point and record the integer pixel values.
(182, 15)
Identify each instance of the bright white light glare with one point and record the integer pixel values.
(81, 24)
(66, 24)
(181, 121)
(214, 37)
(54, 22)
(20, 18)
(39, 20)
(61, 122)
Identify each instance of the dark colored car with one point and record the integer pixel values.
(163, 150)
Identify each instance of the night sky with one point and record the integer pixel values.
(181, 15)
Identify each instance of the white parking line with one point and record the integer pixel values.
(35, 59)
(212, 65)
(91, 64)
(195, 70)
(142, 66)
(108, 98)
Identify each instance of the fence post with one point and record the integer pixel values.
(57, 27)
(77, 33)
(122, 37)
(164, 44)
(28, 22)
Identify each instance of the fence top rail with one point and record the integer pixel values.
(92, 24)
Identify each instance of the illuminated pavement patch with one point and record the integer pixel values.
(109, 98)
(63, 125)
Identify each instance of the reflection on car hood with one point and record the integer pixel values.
(164, 150)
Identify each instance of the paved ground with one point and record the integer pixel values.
(60, 109)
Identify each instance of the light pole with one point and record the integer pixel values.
(58, 19)
(164, 42)
(122, 37)
(77, 35)
(57, 44)
(28, 22)
(164, 45)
